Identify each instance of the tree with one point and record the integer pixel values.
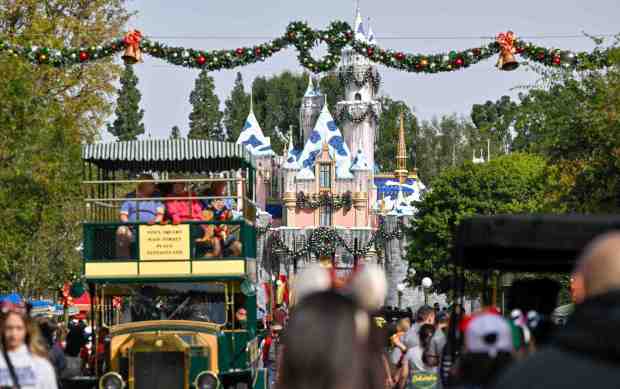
(574, 121)
(46, 113)
(442, 143)
(237, 109)
(205, 120)
(333, 89)
(494, 121)
(175, 133)
(510, 184)
(128, 123)
(386, 144)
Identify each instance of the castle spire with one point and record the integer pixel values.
(358, 24)
(401, 171)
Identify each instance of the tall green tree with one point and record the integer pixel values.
(175, 133)
(574, 121)
(205, 120)
(515, 183)
(494, 121)
(442, 143)
(237, 107)
(386, 144)
(46, 113)
(128, 123)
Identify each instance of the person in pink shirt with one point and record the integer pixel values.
(186, 209)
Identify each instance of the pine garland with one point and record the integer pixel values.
(323, 241)
(325, 200)
(370, 76)
(299, 35)
(343, 115)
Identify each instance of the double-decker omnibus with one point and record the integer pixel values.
(169, 256)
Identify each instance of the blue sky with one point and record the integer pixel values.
(166, 88)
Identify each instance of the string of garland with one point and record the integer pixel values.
(371, 76)
(325, 200)
(345, 115)
(323, 241)
(299, 35)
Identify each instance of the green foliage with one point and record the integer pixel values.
(175, 133)
(494, 121)
(387, 134)
(237, 109)
(443, 143)
(333, 89)
(574, 120)
(205, 120)
(128, 123)
(46, 113)
(510, 184)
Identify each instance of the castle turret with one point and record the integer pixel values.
(311, 105)
(359, 112)
(401, 171)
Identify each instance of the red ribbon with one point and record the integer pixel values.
(506, 41)
(133, 38)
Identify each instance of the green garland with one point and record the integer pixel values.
(323, 241)
(325, 200)
(344, 115)
(299, 35)
(371, 76)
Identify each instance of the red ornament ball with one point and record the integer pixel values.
(520, 49)
(459, 62)
(239, 51)
(83, 56)
(257, 51)
(557, 60)
(541, 55)
(370, 51)
(399, 56)
(476, 51)
(201, 60)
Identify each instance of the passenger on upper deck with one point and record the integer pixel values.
(217, 209)
(138, 211)
(186, 209)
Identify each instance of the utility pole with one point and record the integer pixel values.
(488, 149)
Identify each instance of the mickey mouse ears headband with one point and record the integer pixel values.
(367, 286)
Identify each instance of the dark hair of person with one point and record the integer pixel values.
(424, 312)
(76, 339)
(482, 369)
(323, 348)
(426, 334)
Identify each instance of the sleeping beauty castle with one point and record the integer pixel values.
(326, 200)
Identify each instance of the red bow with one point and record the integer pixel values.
(506, 41)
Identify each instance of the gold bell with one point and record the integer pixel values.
(507, 61)
(130, 56)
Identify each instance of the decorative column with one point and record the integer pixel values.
(289, 199)
(360, 204)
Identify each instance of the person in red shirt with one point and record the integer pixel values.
(186, 209)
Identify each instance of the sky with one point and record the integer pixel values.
(208, 24)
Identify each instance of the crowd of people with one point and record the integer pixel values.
(180, 206)
(328, 343)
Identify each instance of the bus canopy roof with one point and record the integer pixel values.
(530, 243)
(177, 155)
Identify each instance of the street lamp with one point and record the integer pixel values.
(400, 288)
(426, 285)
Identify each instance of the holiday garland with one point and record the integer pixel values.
(344, 114)
(325, 200)
(299, 35)
(323, 241)
(347, 75)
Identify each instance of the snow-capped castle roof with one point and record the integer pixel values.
(252, 137)
(326, 131)
(360, 163)
(291, 162)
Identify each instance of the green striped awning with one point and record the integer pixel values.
(168, 155)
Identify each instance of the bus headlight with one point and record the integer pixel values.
(111, 380)
(206, 380)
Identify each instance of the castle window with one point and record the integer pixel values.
(325, 216)
(358, 96)
(325, 176)
(275, 192)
